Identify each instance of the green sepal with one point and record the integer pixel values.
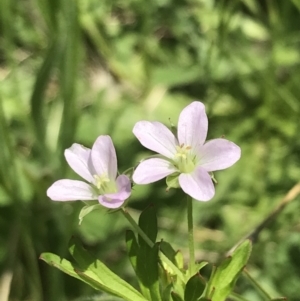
(194, 288)
(128, 172)
(176, 297)
(99, 275)
(172, 181)
(88, 209)
(213, 178)
(223, 279)
(173, 128)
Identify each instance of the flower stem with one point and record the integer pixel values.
(237, 297)
(256, 285)
(136, 227)
(191, 235)
(150, 243)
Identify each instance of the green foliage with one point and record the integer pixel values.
(223, 279)
(148, 223)
(92, 272)
(194, 288)
(145, 261)
(72, 70)
(144, 258)
(67, 267)
(176, 297)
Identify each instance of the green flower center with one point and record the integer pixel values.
(104, 184)
(184, 159)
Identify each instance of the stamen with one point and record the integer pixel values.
(184, 159)
(101, 180)
(104, 184)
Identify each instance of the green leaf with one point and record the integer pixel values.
(194, 288)
(174, 256)
(132, 247)
(94, 271)
(147, 257)
(223, 280)
(179, 260)
(145, 263)
(148, 223)
(176, 297)
(63, 265)
(147, 271)
(201, 265)
(168, 250)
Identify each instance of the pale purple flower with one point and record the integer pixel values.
(98, 166)
(187, 155)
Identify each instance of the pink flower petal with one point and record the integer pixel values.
(77, 157)
(192, 125)
(71, 190)
(218, 154)
(115, 200)
(104, 157)
(197, 184)
(152, 170)
(157, 137)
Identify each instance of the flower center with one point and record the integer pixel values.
(184, 159)
(104, 184)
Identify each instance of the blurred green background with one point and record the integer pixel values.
(73, 70)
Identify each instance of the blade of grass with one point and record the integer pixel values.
(8, 170)
(37, 99)
(69, 73)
